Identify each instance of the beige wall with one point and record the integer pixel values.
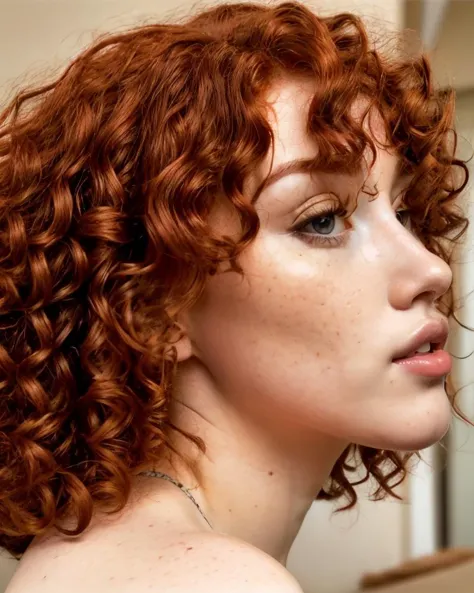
(452, 46)
(35, 34)
(461, 444)
(332, 551)
(454, 52)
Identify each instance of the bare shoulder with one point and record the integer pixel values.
(213, 562)
(198, 562)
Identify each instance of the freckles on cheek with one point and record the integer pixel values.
(293, 285)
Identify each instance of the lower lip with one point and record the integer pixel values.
(432, 364)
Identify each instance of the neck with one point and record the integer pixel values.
(256, 480)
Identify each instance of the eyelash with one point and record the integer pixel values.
(334, 241)
(341, 238)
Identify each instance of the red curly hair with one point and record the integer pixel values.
(107, 179)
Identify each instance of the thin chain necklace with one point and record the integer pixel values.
(162, 476)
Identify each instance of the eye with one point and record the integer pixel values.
(404, 217)
(325, 224)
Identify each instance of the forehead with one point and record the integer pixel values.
(289, 102)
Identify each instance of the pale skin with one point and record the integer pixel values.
(279, 371)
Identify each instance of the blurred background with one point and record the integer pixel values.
(332, 551)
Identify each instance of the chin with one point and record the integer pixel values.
(414, 423)
(428, 421)
(425, 438)
(413, 439)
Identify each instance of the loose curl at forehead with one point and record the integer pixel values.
(107, 179)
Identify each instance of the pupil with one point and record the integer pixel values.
(324, 224)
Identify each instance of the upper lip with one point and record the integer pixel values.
(434, 332)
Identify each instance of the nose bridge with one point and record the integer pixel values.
(416, 271)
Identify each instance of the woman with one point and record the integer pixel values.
(224, 250)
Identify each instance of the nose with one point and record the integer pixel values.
(419, 275)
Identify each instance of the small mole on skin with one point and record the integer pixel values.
(160, 557)
(270, 473)
(190, 548)
(151, 525)
(230, 510)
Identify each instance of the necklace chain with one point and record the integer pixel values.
(182, 487)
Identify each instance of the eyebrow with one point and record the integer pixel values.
(294, 166)
(305, 166)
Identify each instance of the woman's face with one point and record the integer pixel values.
(306, 340)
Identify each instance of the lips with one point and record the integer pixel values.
(433, 333)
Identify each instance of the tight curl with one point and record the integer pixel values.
(107, 179)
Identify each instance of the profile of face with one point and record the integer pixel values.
(312, 337)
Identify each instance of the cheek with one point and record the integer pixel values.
(286, 310)
(292, 336)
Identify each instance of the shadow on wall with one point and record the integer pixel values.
(7, 568)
